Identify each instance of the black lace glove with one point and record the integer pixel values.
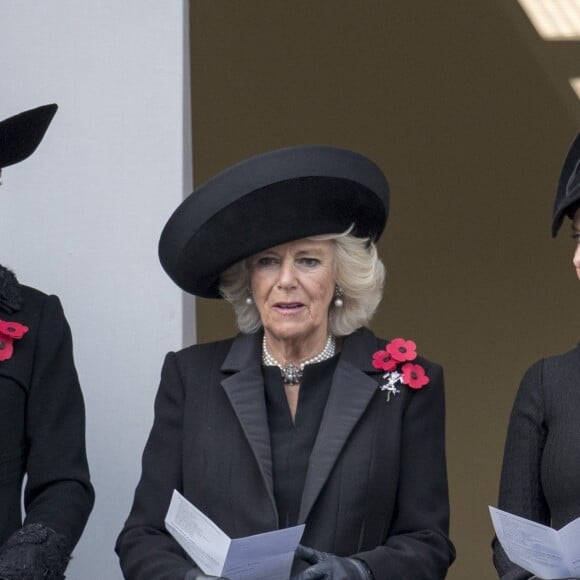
(326, 566)
(34, 552)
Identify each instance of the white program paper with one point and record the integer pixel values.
(549, 554)
(265, 556)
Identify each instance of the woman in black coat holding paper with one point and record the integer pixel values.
(541, 467)
(306, 416)
(41, 409)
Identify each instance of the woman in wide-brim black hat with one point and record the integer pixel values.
(42, 430)
(306, 416)
(540, 477)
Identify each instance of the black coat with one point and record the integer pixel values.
(42, 425)
(376, 485)
(540, 477)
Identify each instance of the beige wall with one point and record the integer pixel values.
(446, 98)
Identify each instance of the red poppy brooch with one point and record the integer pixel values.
(395, 360)
(9, 332)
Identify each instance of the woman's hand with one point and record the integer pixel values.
(326, 566)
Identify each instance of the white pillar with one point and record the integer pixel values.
(82, 216)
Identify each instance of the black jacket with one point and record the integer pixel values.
(540, 477)
(376, 485)
(42, 428)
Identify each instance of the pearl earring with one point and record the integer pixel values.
(249, 300)
(338, 301)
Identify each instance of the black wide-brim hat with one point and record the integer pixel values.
(21, 134)
(568, 190)
(267, 200)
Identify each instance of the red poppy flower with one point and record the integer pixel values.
(383, 361)
(414, 376)
(6, 347)
(402, 350)
(13, 329)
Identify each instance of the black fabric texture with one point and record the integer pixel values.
(292, 443)
(541, 465)
(10, 292)
(34, 552)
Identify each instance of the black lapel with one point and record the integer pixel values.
(353, 385)
(245, 390)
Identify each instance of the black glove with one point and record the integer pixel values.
(34, 552)
(326, 566)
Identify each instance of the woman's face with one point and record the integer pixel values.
(576, 236)
(292, 287)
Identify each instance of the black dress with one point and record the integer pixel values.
(42, 435)
(292, 442)
(540, 477)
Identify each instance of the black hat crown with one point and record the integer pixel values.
(568, 191)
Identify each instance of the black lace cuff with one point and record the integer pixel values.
(34, 552)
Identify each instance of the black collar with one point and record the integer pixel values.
(10, 291)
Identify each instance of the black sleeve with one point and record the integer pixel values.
(145, 548)
(521, 487)
(58, 492)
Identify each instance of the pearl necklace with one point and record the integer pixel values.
(291, 373)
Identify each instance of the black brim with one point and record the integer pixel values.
(21, 134)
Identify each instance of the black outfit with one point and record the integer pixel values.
(375, 484)
(541, 468)
(292, 442)
(41, 435)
